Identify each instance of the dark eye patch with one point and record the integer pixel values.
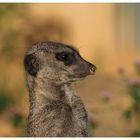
(66, 57)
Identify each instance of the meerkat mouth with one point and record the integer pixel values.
(79, 76)
(92, 73)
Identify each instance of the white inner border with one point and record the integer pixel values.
(70, 1)
(62, 138)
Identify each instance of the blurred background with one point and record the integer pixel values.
(107, 35)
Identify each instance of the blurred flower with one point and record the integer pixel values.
(137, 62)
(121, 70)
(133, 82)
(106, 96)
(93, 117)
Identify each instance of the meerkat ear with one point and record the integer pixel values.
(31, 64)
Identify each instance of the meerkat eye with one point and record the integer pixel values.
(66, 57)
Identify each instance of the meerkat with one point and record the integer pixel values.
(55, 109)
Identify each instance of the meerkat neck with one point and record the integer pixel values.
(42, 94)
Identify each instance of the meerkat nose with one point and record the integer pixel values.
(92, 69)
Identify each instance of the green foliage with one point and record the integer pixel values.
(5, 100)
(93, 125)
(105, 99)
(127, 114)
(6, 9)
(135, 133)
(17, 120)
(135, 92)
(133, 88)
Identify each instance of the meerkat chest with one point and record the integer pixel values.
(79, 113)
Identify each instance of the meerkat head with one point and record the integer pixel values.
(57, 63)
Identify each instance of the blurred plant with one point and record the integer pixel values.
(137, 65)
(10, 40)
(6, 9)
(106, 96)
(5, 100)
(17, 120)
(12, 17)
(133, 86)
(93, 121)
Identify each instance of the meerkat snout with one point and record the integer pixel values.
(58, 62)
(92, 69)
